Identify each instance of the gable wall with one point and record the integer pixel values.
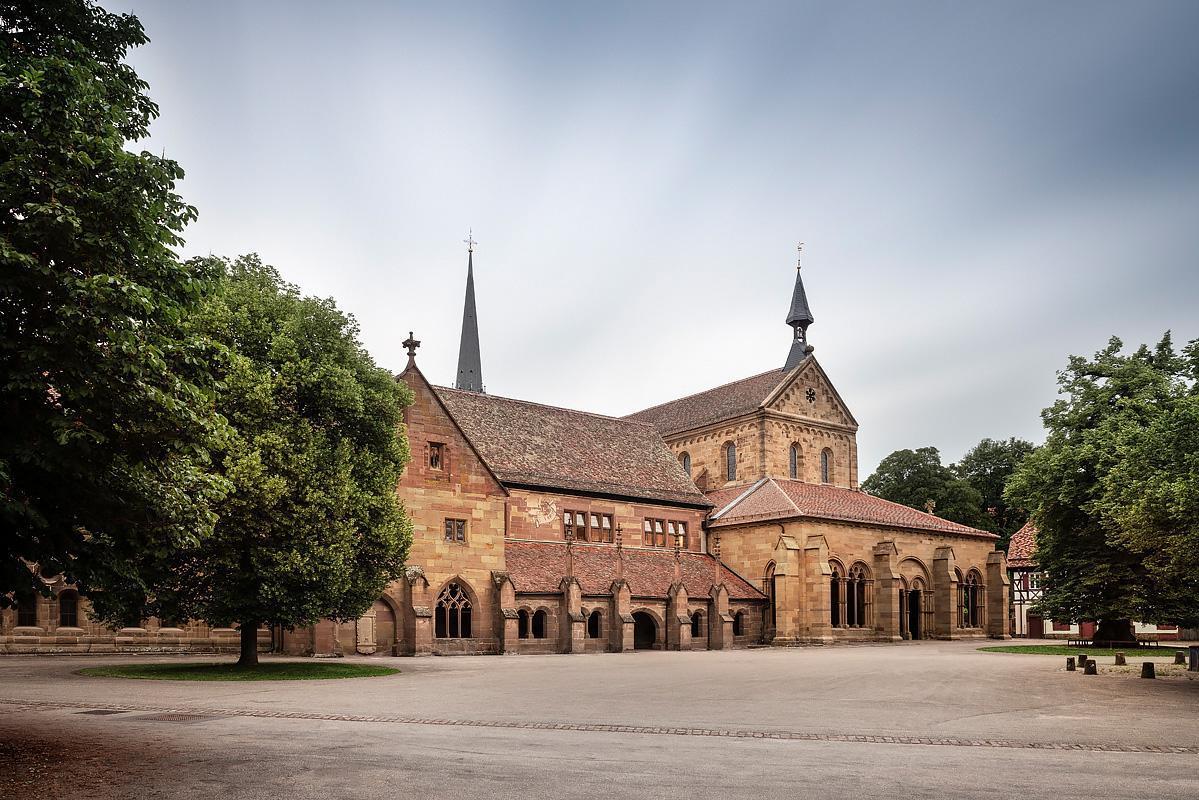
(706, 448)
(463, 489)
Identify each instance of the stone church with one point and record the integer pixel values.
(727, 518)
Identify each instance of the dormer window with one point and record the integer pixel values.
(436, 455)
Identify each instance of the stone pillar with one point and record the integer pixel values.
(620, 630)
(416, 610)
(817, 624)
(788, 591)
(998, 589)
(678, 620)
(720, 621)
(572, 627)
(886, 591)
(507, 619)
(945, 594)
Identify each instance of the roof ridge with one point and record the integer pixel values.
(705, 391)
(546, 405)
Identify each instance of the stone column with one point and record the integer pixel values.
(507, 616)
(720, 621)
(572, 627)
(678, 621)
(945, 594)
(620, 630)
(816, 624)
(998, 592)
(886, 591)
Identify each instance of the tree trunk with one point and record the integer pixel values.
(249, 645)
(1114, 630)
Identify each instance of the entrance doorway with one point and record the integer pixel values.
(913, 613)
(385, 629)
(645, 631)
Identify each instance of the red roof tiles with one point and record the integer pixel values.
(780, 499)
(1023, 546)
(724, 402)
(538, 568)
(537, 445)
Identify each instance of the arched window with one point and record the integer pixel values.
(685, 460)
(834, 596)
(539, 619)
(856, 596)
(522, 624)
(27, 611)
(730, 461)
(595, 621)
(697, 624)
(970, 600)
(768, 588)
(826, 465)
(453, 613)
(739, 623)
(793, 462)
(68, 609)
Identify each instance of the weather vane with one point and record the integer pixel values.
(799, 256)
(469, 241)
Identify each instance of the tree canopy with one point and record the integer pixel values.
(917, 478)
(1114, 491)
(987, 467)
(107, 402)
(312, 527)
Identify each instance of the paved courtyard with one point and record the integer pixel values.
(926, 719)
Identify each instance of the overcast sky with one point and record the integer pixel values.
(983, 188)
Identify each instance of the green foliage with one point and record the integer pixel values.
(917, 478)
(1113, 489)
(987, 467)
(311, 527)
(269, 671)
(106, 402)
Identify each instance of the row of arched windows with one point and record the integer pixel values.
(68, 610)
(794, 462)
(849, 597)
(850, 600)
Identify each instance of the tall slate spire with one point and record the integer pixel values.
(799, 318)
(470, 363)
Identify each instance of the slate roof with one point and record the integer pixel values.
(556, 448)
(538, 567)
(1023, 545)
(772, 498)
(723, 402)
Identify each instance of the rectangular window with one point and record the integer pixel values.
(587, 526)
(605, 528)
(663, 532)
(580, 526)
(683, 533)
(436, 455)
(455, 531)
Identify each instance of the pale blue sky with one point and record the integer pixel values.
(983, 188)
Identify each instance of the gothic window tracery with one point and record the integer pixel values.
(453, 613)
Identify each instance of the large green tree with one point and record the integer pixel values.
(312, 527)
(987, 467)
(106, 404)
(917, 478)
(1109, 489)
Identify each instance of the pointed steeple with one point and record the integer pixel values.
(470, 366)
(799, 318)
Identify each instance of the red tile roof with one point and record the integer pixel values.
(557, 448)
(724, 402)
(780, 499)
(1021, 548)
(538, 568)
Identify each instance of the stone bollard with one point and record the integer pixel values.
(1120, 660)
(1069, 663)
(1091, 668)
(1147, 670)
(1180, 657)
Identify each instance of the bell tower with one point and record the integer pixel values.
(799, 318)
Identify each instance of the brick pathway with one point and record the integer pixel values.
(25, 705)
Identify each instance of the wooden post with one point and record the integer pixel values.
(1091, 668)
(1069, 663)
(1194, 665)
(1120, 660)
(1147, 670)
(1180, 657)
